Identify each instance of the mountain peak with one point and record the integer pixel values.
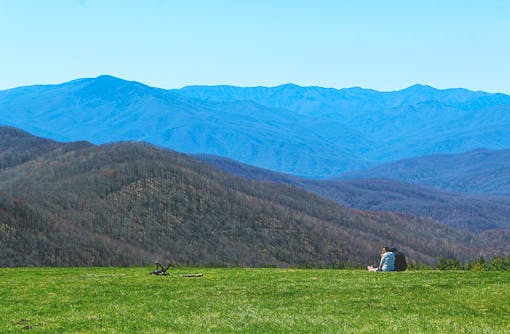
(419, 88)
(108, 86)
(110, 79)
(289, 85)
(101, 78)
(107, 77)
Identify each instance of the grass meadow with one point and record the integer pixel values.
(240, 300)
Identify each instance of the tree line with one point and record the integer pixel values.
(497, 263)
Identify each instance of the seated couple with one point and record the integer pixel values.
(387, 261)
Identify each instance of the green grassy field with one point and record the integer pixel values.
(128, 300)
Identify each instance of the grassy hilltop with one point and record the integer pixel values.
(128, 300)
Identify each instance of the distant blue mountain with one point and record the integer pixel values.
(307, 131)
(416, 121)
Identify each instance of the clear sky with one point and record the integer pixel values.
(379, 44)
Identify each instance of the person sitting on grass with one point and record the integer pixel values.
(387, 261)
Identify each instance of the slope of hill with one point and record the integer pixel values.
(308, 131)
(473, 213)
(476, 172)
(130, 203)
(17, 147)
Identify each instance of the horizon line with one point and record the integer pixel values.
(255, 86)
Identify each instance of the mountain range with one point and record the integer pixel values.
(282, 176)
(131, 203)
(307, 131)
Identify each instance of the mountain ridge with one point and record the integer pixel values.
(415, 86)
(473, 212)
(307, 131)
(479, 171)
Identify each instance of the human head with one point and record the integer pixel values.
(385, 249)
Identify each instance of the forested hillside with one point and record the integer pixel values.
(16, 147)
(132, 203)
(470, 212)
(479, 171)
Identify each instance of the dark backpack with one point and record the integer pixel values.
(400, 260)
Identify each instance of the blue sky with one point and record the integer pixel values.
(384, 45)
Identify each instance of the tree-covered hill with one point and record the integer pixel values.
(479, 171)
(470, 212)
(131, 203)
(17, 146)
